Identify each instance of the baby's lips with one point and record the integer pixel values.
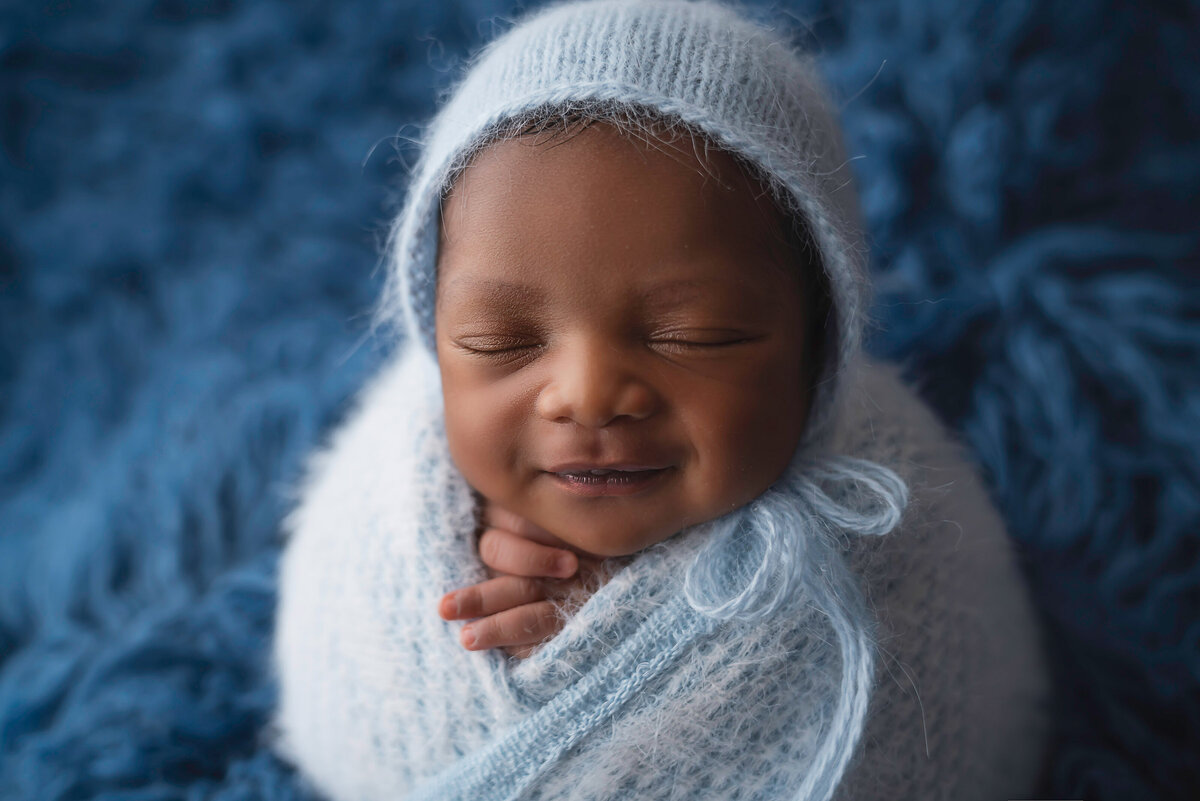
(625, 465)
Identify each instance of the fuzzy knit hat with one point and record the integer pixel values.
(740, 85)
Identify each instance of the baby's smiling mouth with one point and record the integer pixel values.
(590, 480)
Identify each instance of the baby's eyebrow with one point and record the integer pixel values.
(672, 293)
(686, 293)
(490, 291)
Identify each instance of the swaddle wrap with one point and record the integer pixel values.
(650, 655)
(735, 660)
(642, 695)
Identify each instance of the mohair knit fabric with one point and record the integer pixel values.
(737, 659)
(640, 696)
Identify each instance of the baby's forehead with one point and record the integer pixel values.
(492, 286)
(602, 190)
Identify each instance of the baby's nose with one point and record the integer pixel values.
(595, 389)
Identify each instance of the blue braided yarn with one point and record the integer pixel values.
(784, 549)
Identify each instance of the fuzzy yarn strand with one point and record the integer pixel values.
(789, 550)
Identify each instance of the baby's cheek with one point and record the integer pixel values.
(465, 427)
(483, 441)
(751, 448)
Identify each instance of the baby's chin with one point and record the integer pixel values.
(601, 535)
(606, 526)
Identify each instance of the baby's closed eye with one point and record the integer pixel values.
(496, 344)
(682, 339)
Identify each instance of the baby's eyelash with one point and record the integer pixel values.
(686, 340)
(495, 346)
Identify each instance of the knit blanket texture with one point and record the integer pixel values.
(734, 661)
(730, 626)
(192, 194)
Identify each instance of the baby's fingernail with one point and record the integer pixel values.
(449, 606)
(565, 565)
(467, 637)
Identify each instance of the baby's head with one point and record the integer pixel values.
(630, 250)
(624, 327)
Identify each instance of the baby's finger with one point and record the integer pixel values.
(489, 597)
(524, 625)
(496, 516)
(506, 552)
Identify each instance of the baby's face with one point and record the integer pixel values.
(620, 338)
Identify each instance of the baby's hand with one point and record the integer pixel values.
(517, 607)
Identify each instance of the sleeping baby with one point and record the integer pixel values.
(630, 437)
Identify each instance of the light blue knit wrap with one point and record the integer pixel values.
(775, 560)
(773, 557)
(740, 647)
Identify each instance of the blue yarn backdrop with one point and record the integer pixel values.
(192, 194)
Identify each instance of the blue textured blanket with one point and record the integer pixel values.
(191, 194)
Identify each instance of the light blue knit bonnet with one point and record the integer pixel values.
(740, 85)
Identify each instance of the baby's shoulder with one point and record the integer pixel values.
(957, 634)
(882, 418)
